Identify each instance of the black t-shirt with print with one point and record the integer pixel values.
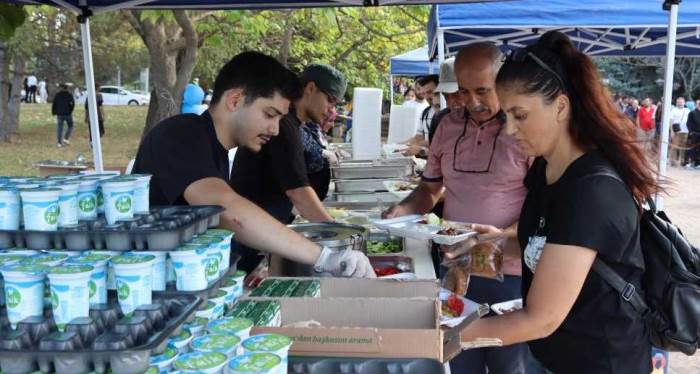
(602, 333)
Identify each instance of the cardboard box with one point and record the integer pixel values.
(379, 326)
(370, 288)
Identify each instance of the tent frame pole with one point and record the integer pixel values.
(84, 21)
(668, 92)
(391, 88)
(441, 59)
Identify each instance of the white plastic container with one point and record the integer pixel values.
(6, 259)
(9, 208)
(239, 277)
(189, 263)
(159, 271)
(197, 326)
(69, 254)
(164, 361)
(170, 275)
(223, 343)
(219, 300)
(224, 245)
(141, 192)
(98, 279)
(270, 343)
(230, 288)
(201, 363)
(119, 199)
(258, 363)
(214, 256)
(87, 198)
(68, 202)
(47, 259)
(234, 326)
(24, 291)
(111, 280)
(40, 208)
(100, 194)
(133, 273)
(70, 293)
(181, 342)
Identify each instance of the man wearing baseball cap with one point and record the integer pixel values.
(449, 89)
(276, 178)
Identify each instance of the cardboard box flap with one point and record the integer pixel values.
(451, 338)
(367, 288)
(381, 313)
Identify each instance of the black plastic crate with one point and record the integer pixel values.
(104, 341)
(162, 229)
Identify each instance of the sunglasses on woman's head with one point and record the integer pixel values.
(520, 55)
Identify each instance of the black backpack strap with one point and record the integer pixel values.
(628, 292)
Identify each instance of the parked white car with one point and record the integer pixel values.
(114, 95)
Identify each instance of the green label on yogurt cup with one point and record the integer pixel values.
(51, 214)
(123, 204)
(132, 259)
(200, 361)
(12, 297)
(184, 335)
(122, 290)
(54, 300)
(212, 268)
(70, 269)
(165, 356)
(87, 203)
(254, 362)
(44, 258)
(230, 325)
(267, 342)
(92, 287)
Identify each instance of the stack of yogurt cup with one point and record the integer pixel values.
(224, 346)
(47, 204)
(203, 260)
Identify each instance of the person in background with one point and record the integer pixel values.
(690, 104)
(449, 89)
(409, 96)
(620, 102)
(694, 137)
(192, 98)
(187, 155)
(32, 84)
(43, 94)
(479, 170)
(559, 112)
(418, 144)
(645, 124)
(26, 89)
(632, 110)
(317, 157)
(100, 114)
(62, 107)
(679, 132)
(276, 178)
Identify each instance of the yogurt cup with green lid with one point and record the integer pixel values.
(230, 290)
(48, 259)
(159, 271)
(24, 290)
(235, 326)
(207, 311)
(181, 342)
(70, 293)
(118, 199)
(111, 280)
(141, 192)
(197, 326)
(220, 300)
(201, 362)
(98, 278)
(164, 361)
(224, 343)
(133, 274)
(269, 343)
(239, 277)
(40, 208)
(10, 208)
(189, 262)
(6, 259)
(68, 203)
(255, 363)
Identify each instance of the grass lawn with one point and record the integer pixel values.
(36, 139)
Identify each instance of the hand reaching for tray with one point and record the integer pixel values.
(347, 263)
(395, 211)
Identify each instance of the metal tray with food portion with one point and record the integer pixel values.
(161, 229)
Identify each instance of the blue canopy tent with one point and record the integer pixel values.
(597, 27)
(86, 8)
(412, 63)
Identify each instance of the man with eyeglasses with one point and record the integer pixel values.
(276, 178)
(479, 170)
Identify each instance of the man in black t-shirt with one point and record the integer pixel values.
(187, 156)
(276, 178)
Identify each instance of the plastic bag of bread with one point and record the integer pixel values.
(484, 259)
(456, 280)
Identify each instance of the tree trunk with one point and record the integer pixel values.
(20, 65)
(172, 48)
(4, 91)
(286, 39)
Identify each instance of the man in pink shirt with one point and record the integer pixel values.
(478, 169)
